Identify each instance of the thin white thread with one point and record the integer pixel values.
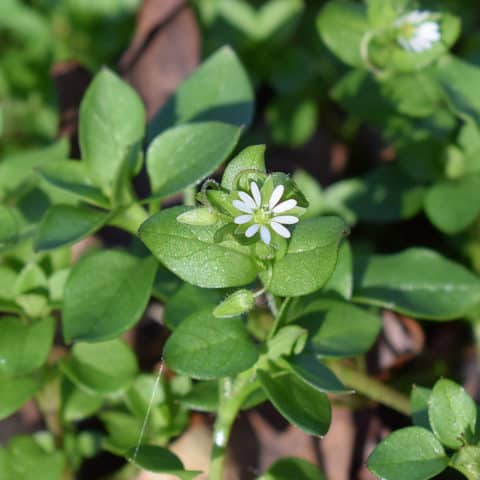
(149, 409)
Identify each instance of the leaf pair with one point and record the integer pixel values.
(445, 415)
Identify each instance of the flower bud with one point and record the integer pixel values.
(237, 303)
(198, 216)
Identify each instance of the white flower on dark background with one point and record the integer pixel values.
(417, 31)
(265, 215)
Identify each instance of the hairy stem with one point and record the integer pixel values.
(232, 397)
(189, 196)
(371, 388)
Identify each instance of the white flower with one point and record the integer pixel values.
(264, 215)
(417, 32)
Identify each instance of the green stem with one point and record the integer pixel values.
(130, 218)
(371, 388)
(232, 397)
(189, 196)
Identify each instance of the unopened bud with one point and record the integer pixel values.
(237, 303)
(198, 216)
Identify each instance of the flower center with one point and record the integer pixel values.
(408, 30)
(262, 216)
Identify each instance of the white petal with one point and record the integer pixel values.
(276, 195)
(242, 219)
(265, 235)
(284, 206)
(242, 206)
(404, 44)
(280, 229)
(256, 193)
(285, 219)
(247, 200)
(252, 230)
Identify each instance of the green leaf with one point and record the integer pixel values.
(18, 168)
(205, 347)
(203, 397)
(28, 460)
(312, 371)
(341, 281)
(310, 259)
(386, 195)
(139, 396)
(458, 80)
(158, 459)
(250, 158)
(192, 253)
(289, 468)
(165, 284)
(11, 225)
(78, 404)
(112, 125)
(412, 453)
(103, 368)
(17, 390)
(452, 414)
(416, 94)
(467, 461)
(8, 279)
(338, 329)
(419, 399)
(292, 119)
(342, 25)
(453, 205)
(71, 177)
(417, 282)
(24, 347)
(106, 294)
(313, 192)
(302, 405)
(123, 431)
(65, 224)
(183, 156)
(219, 90)
(186, 300)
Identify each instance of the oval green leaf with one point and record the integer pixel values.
(342, 25)
(24, 347)
(158, 459)
(66, 224)
(417, 282)
(185, 155)
(219, 90)
(290, 468)
(112, 122)
(192, 254)
(413, 453)
(301, 404)
(452, 414)
(312, 371)
(16, 390)
(311, 257)
(120, 286)
(70, 176)
(453, 205)
(103, 368)
(338, 329)
(205, 347)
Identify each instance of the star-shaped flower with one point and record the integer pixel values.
(418, 32)
(265, 215)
